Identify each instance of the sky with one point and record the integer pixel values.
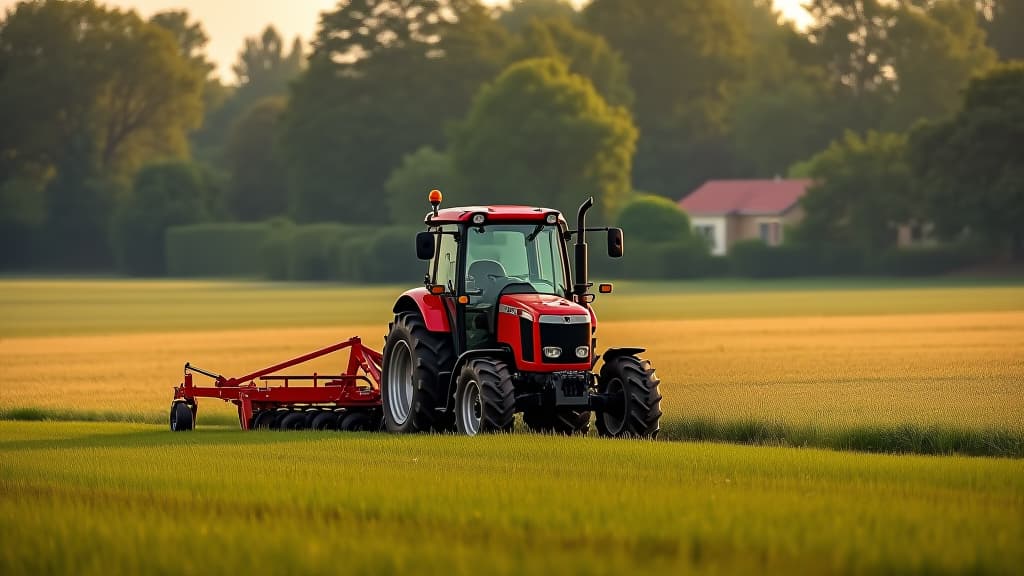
(229, 22)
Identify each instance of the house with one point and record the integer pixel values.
(727, 211)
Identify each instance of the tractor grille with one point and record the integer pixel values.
(567, 337)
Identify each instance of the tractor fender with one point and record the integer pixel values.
(612, 353)
(429, 306)
(500, 353)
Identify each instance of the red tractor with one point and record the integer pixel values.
(497, 329)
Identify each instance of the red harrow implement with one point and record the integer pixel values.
(348, 401)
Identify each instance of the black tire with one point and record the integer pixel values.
(557, 421)
(293, 421)
(485, 401)
(428, 353)
(357, 422)
(634, 408)
(325, 421)
(265, 420)
(182, 418)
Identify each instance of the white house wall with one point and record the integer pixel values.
(718, 223)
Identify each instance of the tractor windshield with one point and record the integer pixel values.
(503, 254)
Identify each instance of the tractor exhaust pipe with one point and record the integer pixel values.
(582, 272)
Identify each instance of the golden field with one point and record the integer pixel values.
(952, 369)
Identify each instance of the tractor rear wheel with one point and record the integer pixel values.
(557, 421)
(634, 400)
(182, 418)
(412, 392)
(485, 401)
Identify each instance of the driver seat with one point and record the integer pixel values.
(488, 277)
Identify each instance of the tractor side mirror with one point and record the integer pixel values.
(615, 242)
(425, 245)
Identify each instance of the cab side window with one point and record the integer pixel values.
(447, 258)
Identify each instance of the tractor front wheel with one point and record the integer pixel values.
(485, 400)
(633, 405)
(412, 391)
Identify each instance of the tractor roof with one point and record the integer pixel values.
(494, 214)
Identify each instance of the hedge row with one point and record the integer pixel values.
(753, 259)
(279, 250)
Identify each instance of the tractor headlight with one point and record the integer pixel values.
(552, 352)
(551, 218)
(478, 219)
(583, 351)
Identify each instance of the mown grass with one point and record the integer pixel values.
(889, 439)
(122, 498)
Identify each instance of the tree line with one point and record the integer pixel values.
(115, 127)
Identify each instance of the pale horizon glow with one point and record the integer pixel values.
(229, 22)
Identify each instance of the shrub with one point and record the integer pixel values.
(755, 259)
(926, 261)
(212, 250)
(313, 250)
(276, 249)
(649, 218)
(163, 195)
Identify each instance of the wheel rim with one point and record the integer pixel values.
(472, 408)
(399, 382)
(615, 420)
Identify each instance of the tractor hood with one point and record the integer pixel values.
(534, 306)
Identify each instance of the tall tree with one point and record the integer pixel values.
(863, 191)
(970, 167)
(686, 61)
(385, 78)
(894, 63)
(1002, 20)
(780, 115)
(192, 41)
(519, 13)
(585, 53)
(264, 70)
(259, 187)
(543, 136)
(419, 172)
(90, 94)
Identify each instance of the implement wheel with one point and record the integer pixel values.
(557, 421)
(294, 421)
(356, 422)
(325, 421)
(485, 400)
(634, 400)
(411, 390)
(182, 418)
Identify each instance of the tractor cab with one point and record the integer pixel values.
(500, 269)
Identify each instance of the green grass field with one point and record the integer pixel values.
(877, 366)
(107, 499)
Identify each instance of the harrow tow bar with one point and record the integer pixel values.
(356, 390)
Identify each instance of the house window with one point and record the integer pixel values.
(707, 231)
(770, 233)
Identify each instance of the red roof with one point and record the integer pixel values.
(744, 197)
